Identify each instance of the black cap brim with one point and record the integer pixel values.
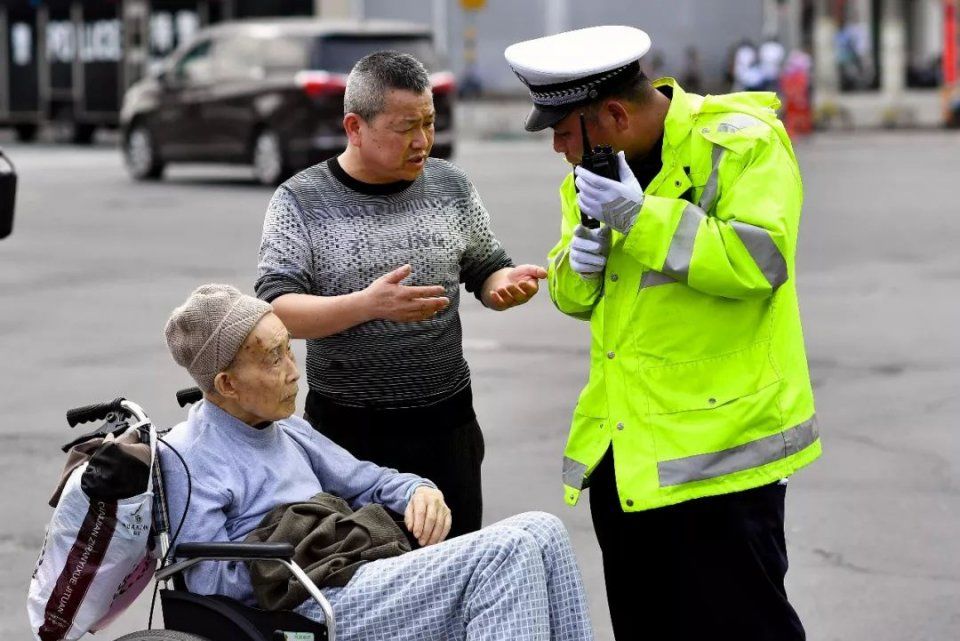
(542, 117)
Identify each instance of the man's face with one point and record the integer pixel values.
(264, 372)
(396, 142)
(568, 140)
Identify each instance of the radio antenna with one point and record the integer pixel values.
(587, 149)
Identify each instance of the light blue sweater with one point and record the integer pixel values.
(240, 473)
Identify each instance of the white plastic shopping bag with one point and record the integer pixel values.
(95, 560)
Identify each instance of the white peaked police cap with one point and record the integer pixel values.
(575, 67)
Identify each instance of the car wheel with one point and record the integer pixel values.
(140, 154)
(268, 163)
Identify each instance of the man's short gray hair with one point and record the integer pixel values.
(377, 73)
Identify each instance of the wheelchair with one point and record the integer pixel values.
(194, 617)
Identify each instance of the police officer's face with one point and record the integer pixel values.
(396, 142)
(567, 139)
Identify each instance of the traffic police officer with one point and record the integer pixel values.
(699, 402)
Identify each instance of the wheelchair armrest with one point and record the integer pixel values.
(251, 551)
(193, 553)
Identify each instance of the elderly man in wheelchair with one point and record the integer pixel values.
(255, 472)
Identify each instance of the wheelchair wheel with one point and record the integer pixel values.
(160, 635)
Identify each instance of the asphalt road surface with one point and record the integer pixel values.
(96, 263)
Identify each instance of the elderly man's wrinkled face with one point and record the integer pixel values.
(396, 142)
(262, 380)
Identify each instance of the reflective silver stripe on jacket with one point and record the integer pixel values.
(764, 252)
(758, 241)
(710, 189)
(733, 123)
(742, 457)
(677, 263)
(573, 473)
(736, 122)
(653, 278)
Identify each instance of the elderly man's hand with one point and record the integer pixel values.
(427, 516)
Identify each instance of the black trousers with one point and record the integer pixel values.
(711, 568)
(442, 443)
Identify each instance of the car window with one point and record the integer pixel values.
(285, 54)
(195, 67)
(238, 57)
(339, 53)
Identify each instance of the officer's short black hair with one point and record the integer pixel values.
(376, 74)
(637, 90)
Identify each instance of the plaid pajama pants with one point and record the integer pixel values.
(516, 579)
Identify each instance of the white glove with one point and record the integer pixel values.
(609, 201)
(589, 249)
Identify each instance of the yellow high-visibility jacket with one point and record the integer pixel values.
(698, 375)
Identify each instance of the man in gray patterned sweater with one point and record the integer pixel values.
(363, 255)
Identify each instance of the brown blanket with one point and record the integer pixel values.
(331, 541)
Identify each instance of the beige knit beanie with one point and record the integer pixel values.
(205, 333)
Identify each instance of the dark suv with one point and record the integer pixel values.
(265, 92)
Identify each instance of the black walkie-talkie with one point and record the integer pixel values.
(600, 160)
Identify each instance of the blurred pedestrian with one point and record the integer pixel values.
(699, 402)
(852, 45)
(363, 256)
(692, 76)
(797, 93)
(747, 75)
(770, 57)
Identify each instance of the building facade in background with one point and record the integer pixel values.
(713, 28)
(881, 62)
(69, 61)
(875, 62)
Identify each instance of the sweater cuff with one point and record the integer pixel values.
(413, 488)
(270, 288)
(474, 280)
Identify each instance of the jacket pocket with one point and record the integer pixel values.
(714, 404)
(710, 383)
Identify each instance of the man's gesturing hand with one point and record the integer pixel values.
(427, 516)
(389, 300)
(513, 286)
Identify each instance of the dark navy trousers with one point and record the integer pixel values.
(710, 568)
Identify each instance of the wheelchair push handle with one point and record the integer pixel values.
(95, 412)
(189, 395)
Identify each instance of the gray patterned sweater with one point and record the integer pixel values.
(326, 234)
